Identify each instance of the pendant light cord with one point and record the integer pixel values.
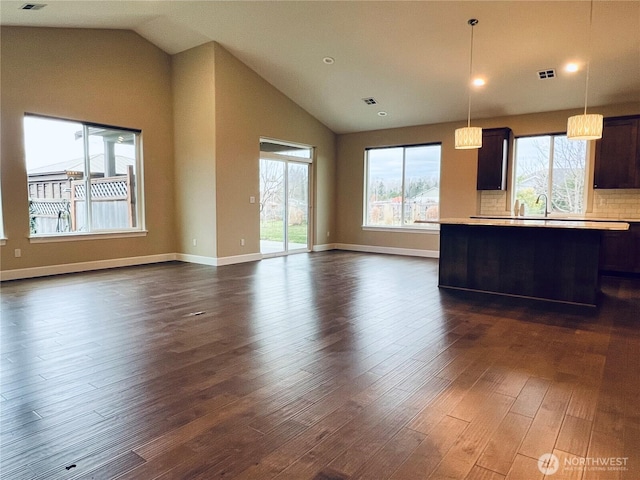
(586, 86)
(471, 22)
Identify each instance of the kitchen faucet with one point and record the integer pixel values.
(545, 202)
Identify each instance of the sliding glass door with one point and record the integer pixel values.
(297, 231)
(284, 199)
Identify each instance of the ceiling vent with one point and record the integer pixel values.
(544, 74)
(33, 6)
(370, 101)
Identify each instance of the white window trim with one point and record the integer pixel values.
(429, 229)
(73, 237)
(284, 158)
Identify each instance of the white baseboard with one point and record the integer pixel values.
(33, 272)
(218, 261)
(44, 271)
(411, 252)
(200, 259)
(323, 248)
(250, 257)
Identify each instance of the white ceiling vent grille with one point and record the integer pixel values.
(33, 6)
(370, 101)
(544, 74)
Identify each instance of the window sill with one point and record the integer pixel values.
(73, 237)
(431, 228)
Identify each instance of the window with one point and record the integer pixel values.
(554, 166)
(82, 178)
(402, 185)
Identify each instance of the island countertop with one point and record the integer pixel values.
(539, 223)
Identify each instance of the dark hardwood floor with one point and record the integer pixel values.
(331, 365)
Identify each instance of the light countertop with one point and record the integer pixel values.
(538, 223)
(564, 219)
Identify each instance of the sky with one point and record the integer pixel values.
(49, 141)
(422, 162)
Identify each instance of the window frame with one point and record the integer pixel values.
(549, 190)
(3, 238)
(427, 226)
(105, 233)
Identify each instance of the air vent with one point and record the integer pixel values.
(33, 6)
(370, 101)
(544, 74)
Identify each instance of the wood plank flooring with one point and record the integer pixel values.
(332, 365)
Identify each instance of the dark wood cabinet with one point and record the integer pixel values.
(617, 160)
(557, 264)
(493, 158)
(620, 250)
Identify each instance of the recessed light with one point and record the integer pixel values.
(329, 60)
(479, 82)
(571, 67)
(382, 114)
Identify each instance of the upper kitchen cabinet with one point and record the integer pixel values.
(617, 160)
(492, 159)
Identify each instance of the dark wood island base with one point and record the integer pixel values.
(553, 264)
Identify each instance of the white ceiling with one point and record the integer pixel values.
(411, 56)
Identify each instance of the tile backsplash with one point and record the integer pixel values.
(616, 204)
(493, 203)
(621, 204)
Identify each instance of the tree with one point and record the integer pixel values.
(271, 185)
(564, 160)
(568, 178)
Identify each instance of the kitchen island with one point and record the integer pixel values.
(554, 260)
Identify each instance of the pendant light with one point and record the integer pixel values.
(469, 137)
(585, 127)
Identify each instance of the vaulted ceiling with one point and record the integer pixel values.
(412, 57)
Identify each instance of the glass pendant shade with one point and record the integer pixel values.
(584, 127)
(468, 137)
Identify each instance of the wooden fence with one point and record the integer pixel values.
(112, 206)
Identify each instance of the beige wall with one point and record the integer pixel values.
(247, 108)
(202, 114)
(194, 105)
(103, 76)
(458, 195)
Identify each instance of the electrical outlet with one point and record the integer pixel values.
(242, 242)
(327, 233)
(17, 253)
(195, 242)
(252, 199)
